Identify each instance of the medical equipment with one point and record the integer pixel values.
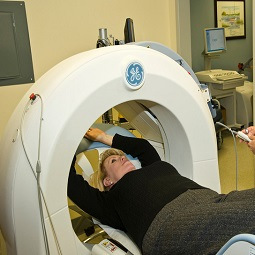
(103, 39)
(137, 81)
(244, 104)
(242, 136)
(214, 40)
(129, 32)
(176, 57)
(221, 79)
(242, 243)
(214, 45)
(109, 247)
(222, 85)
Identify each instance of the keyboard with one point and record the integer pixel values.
(229, 77)
(218, 76)
(221, 79)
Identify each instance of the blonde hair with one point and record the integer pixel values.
(96, 179)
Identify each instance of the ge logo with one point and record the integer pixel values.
(134, 75)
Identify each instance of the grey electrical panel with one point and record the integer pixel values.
(16, 66)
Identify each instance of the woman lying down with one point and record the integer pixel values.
(162, 211)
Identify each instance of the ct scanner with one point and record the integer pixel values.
(154, 93)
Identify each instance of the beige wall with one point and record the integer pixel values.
(59, 29)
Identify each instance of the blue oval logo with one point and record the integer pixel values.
(134, 74)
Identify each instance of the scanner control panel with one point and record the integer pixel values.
(222, 79)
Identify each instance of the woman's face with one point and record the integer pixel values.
(116, 167)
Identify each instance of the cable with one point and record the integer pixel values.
(37, 176)
(38, 168)
(236, 156)
(38, 171)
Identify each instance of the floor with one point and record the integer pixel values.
(227, 164)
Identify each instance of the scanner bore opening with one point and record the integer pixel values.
(83, 225)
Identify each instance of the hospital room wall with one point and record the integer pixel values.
(59, 29)
(238, 50)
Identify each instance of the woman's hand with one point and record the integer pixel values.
(96, 134)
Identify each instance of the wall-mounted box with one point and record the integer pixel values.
(16, 66)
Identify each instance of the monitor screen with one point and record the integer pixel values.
(215, 40)
(129, 33)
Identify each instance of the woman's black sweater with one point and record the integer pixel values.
(134, 201)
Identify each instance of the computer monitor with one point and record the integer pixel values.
(214, 40)
(129, 33)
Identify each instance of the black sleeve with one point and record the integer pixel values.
(136, 147)
(91, 200)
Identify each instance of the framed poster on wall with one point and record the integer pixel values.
(231, 16)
